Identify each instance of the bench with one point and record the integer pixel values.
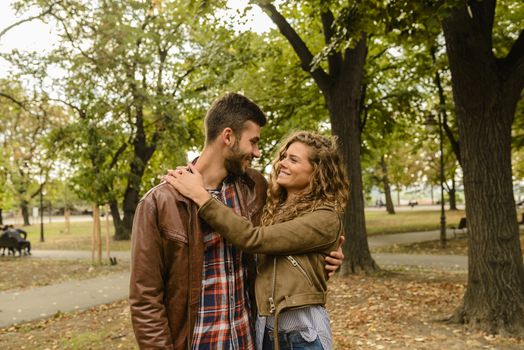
(412, 203)
(11, 244)
(461, 229)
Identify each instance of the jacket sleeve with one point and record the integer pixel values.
(315, 231)
(146, 290)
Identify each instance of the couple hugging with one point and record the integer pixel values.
(222, 258)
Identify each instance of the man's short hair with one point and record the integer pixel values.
(231, 110)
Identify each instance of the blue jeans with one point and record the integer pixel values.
(289, 341)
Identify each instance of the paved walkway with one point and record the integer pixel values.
(40, 302)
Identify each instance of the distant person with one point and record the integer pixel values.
(301, 224)
(23, 243)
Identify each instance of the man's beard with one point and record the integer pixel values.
(233, 163)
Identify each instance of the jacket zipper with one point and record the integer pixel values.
(272, 307)
(300, 268)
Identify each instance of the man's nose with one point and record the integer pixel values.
(256, 152)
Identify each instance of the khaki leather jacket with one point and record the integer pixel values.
(290, 273)
(167, 261)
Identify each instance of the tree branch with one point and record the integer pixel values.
(72, 40)
(442, 109)
(334, 58)
(14, 100)
(514, 61)
(117, 154)
(306, 57)
(28, 19)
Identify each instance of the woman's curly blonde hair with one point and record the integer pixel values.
(328, 187)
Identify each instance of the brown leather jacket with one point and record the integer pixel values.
(167, 260)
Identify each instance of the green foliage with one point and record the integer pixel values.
(25, 161)
(128, 83)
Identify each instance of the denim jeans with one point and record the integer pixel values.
(290, 341)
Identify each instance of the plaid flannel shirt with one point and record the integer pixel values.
(224, 316)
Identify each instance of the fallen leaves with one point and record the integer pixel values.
(401, 309)
(102, 327)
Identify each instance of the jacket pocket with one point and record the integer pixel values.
(299, 267)
(175, 235)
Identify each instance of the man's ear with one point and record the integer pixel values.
(228, 137)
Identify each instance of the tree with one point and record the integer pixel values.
(341, 88)
(128, 66)
(26, 122)
(390, 107)
(488, 78)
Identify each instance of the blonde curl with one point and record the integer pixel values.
(329, 186)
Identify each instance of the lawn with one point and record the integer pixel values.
(377, 222)
(79, 238)
(455, 246)
(380, 222)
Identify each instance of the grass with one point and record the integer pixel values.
(455, 246)
(55, 237)
(380, 222)
(377, 222)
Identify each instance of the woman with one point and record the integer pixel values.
(301, 224)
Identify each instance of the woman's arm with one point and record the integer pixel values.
(310, 232)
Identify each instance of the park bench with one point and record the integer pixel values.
(412, 203)
(10, 244)
(461, 229)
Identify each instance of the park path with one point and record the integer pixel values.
(42, 302)
(18, 306)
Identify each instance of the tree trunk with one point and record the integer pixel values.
(132, 194)
(117, 220)
(108, 235)
(142, 151)
(486, 92)
(341, 88)
(432, 195)
(97, 237)
(24, 207)
(452, 192)
(387, 187)
(343, 102)
(67, 221)
(1, 218)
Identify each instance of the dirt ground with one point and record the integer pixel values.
(400, 309)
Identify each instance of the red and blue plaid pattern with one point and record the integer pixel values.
(224, 317)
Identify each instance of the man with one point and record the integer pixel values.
(189, 287)
(22, 242)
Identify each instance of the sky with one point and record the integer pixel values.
(33, 35)
(39, 36)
